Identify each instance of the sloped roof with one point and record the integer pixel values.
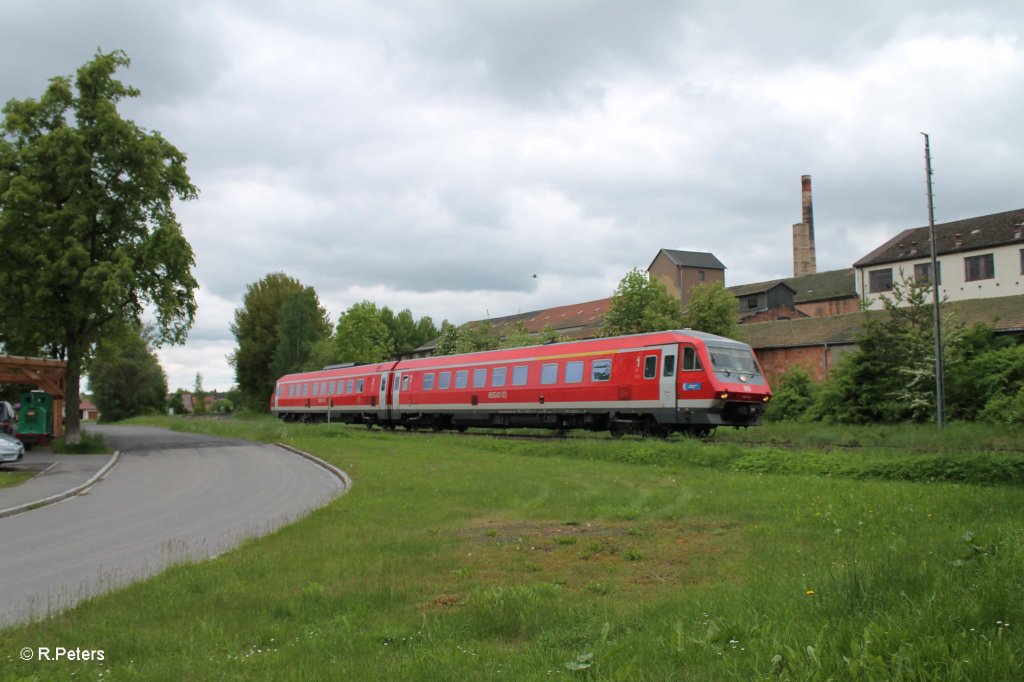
(758, 288)
(961, 235)
(818, 286)
(1006, 314)
(566, 317)
(691, 259)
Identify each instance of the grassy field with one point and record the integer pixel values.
(8, 477)
(467, 558)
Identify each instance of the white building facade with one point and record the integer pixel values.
(978, 258)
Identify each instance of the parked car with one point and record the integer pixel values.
(11, 449)
(7, 417)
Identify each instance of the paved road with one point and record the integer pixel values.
(171, 497)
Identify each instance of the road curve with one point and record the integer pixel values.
(172, 497)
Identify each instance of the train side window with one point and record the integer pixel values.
(479, 378)
(670, 366)
(520, 375)
(444, 380)
(323, 388)
(650, 366)
(428, 381)
(601, 370)
(498, 375)
(690, 359)
(462, 378)
(360, 385)
(405, 382)
(305, 389)
(549, 373)
(574, 372)
(341, 388)
(350, 385)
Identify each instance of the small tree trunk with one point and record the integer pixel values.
(72, 430)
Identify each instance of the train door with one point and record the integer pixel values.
(396, 393)
(383, 395)
(667, 382)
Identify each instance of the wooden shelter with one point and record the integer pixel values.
(49, 375)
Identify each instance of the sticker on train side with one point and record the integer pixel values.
(692, 387)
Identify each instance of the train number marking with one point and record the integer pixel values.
(498, 395)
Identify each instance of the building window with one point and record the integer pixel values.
(700, 275)
(752, 303)
(574, 372)
(880, 280)
(923, 273)
(979, 267)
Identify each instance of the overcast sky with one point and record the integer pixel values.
(437, 155)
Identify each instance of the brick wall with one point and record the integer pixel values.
(816, 360)
(835, 306)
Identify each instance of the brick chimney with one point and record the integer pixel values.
(804, 262)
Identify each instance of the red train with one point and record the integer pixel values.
(653, 384)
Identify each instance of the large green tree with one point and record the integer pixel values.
(256, 330)
(407, 333)
(302, 323)
(87, 222)
(712, 309)
(125, 377)
(361, 336)
(641, 304)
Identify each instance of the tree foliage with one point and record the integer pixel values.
(407, 333)
(125, 377)
(361, 335)
(256, 330)
(712, 309)
(641, 304)
(87, 222)
(302, 324)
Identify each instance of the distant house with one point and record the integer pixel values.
(680, 271)
(819, 294)
(977, 258)
(87, 411)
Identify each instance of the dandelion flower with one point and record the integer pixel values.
(810, 593)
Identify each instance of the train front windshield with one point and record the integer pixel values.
(730, 361)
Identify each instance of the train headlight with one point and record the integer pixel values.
(724, 396)
(766, 398)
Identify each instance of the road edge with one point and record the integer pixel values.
(346, 480)
(71, 492)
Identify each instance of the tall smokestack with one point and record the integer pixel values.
(804, 262)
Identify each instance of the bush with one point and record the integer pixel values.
(793, 398)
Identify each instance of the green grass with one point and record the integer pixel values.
(88, 444)
(8, 478)
(462, 559)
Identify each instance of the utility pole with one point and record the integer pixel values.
(940, 389)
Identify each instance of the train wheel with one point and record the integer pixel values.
(616, 431)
